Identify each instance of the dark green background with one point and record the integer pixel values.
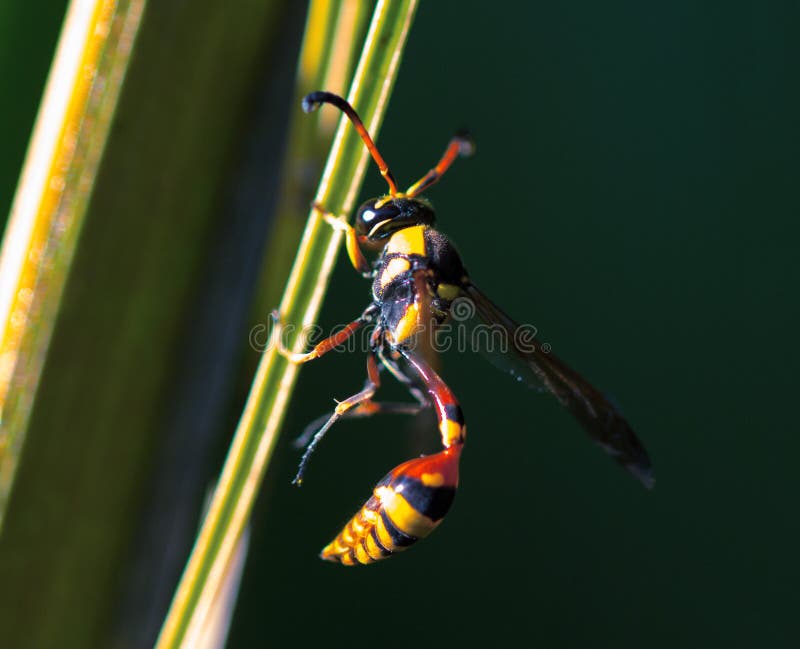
(634, 195)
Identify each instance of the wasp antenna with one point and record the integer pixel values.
(461, 144)
(314, 99)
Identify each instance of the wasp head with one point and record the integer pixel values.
(379, 218)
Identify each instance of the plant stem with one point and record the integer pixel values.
(257, 431)
(48, 212)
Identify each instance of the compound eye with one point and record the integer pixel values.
(369, 216)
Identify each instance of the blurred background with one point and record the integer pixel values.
(633, 195)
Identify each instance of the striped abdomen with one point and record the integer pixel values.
(407, 505)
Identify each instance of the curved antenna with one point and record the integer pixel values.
(314, 99)
(461, 144)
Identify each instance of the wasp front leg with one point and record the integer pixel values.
(357, 258)
(413, 498)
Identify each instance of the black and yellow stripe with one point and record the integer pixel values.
(406, 505)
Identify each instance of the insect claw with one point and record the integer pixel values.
(279, 346)
(336, 222)
(278, 323)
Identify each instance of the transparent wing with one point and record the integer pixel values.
(526, 360)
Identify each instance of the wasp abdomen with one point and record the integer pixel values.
(407, 505)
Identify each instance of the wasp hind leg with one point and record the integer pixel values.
(366, 408)
(342, 408)
(413, 498)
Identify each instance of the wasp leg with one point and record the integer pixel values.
(401, 376)
(413, 498)
(322, 348)
(372, 384)
(369, 407)
(364, 409)
(357, 258)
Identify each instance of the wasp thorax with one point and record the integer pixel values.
(378, 218)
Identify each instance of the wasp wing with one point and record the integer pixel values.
(529, 362)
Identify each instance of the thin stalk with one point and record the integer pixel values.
(257, 431)
(50, 204)
(333, 37)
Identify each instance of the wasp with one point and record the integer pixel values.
(416, 281)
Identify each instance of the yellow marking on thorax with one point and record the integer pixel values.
(448, 292)
(395, 267)
(408, 325)
(408, 241)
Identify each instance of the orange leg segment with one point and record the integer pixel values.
(320, 349)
